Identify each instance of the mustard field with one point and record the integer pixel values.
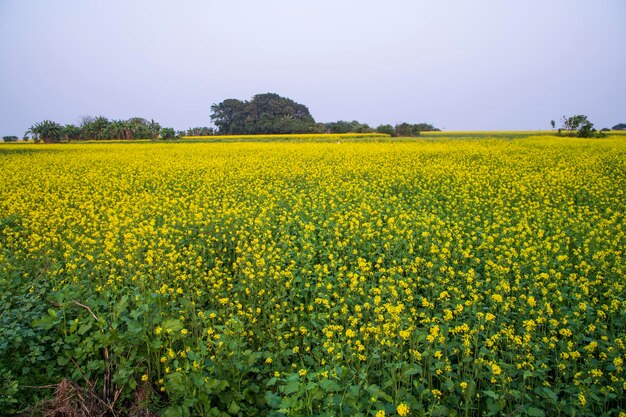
(460, 277)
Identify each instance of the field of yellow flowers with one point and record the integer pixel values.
(401, 277)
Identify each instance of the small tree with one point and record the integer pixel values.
(386, 129)
(155, 129)
(553, 123)
(168, 133)
(9, 138)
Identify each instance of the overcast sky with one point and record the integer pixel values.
(458, 64)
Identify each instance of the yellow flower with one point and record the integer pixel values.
(403, 409)
(144, 377)
(496, 369)
(463, 385)
(268, 361)
(380, 413)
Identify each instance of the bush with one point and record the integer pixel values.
(387, 129)
(9, 138)
(168, 133)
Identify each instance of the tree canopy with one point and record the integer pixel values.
(265, 114)
(578, 125)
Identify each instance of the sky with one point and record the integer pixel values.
(458, 64)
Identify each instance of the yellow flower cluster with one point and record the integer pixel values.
(441, 265)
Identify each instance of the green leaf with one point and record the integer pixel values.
(233, 408)
(291, 387)
(173, 411)
(84, 328)
(491, 394)
(441, 411)
(329, 386)
(534, 412)
(272, 399)
(172, 325)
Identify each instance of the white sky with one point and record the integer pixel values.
(482, 64)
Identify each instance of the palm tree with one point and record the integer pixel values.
(48, 131)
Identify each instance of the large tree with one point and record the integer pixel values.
(264, 114)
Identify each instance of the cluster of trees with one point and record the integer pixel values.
(272, 114)
(9, 138)
(402, 129)
(199, 131)
(264, 114)
(101, 128)
(577, 125)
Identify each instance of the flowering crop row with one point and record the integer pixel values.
(445, 277)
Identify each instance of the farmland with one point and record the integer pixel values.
(371, 277)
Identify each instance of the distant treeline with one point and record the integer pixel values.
(272, 114)
(264, 114)
(99, 128)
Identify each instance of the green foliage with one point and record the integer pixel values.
(342, 126)
(264, 114)
(94, 128)
(408, 130)
(71, 132)
(619, 126)
(578, 125)
(200, 131)
(47, 131)
(167, 133)
(9, 138)
(386, 129)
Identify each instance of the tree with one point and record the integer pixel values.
(386, 129)
(48, 131)
(619, 126)
(139, 128)
(407, 129)
(71, 132)
(578, 123)
(155, 129)
(264, 114)
(229, 116)
(167, 133)
(94, 128)
(553, 123)
(9, 138)
(199, 131)
(342, 126)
